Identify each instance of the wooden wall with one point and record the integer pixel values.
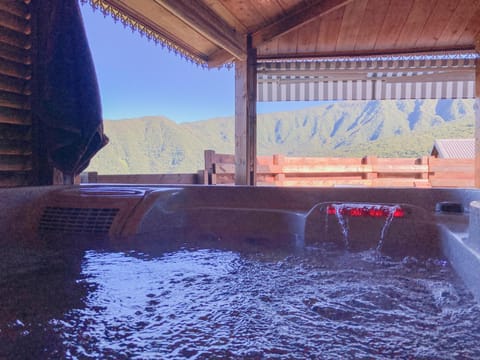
(16, 128)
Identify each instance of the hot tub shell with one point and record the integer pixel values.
(436, 220)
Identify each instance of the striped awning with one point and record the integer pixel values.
(424, 77)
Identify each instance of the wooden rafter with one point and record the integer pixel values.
(206, 22)
(296, 19)
(218, 58)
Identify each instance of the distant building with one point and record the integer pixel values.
(454, 148)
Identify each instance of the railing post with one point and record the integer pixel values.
(424, 175)
(88, 177)
(209, 175)
(371, 175)
(202, 177)
(424, 161)
(279, 176)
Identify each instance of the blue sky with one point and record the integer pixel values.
(139, 78)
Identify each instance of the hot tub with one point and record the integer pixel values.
(239, 272)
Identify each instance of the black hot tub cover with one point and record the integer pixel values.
(68, 105)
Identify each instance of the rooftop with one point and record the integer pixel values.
(454, 148)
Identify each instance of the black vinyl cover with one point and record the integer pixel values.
(67, 101)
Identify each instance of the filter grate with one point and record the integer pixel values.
(77, 220)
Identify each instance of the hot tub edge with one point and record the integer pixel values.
(463, 258)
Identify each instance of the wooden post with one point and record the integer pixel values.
(423, 161)
(209, 156)
(88, 177)
(372, 161)
(246, 117)
(43, 171)
(278, 162)
(477, 115)
(58, 178)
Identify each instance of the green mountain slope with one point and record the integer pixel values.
(148, 145)
(382, 128)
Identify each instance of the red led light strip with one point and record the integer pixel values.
(365, 211)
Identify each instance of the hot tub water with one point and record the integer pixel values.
(203, 303)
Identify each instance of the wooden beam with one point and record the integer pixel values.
(372, 53)
(15, 163)
(15, 70)
(12, 53)
(17, 8)
(477, 115)
(13, 179)
(145, 179)
(297, 19)
(14, 101)
(15, 147)
(14, 85)
(206, 22)
(14, 38)
(15, 23)
(14, 116)
(246, 118)
(218, 58)
(219, 8)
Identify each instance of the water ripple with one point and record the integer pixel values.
(212, 304)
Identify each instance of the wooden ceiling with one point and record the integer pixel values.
(213, 32)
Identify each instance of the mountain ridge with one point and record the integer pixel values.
(156, 144)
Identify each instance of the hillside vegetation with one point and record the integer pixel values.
(347, 129)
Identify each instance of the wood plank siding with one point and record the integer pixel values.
(16, 139)
(383, 27)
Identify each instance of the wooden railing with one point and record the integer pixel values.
(94, 177)
(451, 172)
(279, 170)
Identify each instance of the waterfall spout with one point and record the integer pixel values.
(344, 211)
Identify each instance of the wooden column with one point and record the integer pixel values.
(246, 118)
(477, 116)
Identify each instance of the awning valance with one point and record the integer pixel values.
(423, 77)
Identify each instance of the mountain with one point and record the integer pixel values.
(348, 129)
(148, 145)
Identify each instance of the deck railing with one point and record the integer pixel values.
(94, 177)
(279, 170)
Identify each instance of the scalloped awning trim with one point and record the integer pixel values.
(143, 30)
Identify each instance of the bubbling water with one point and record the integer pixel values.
(210, 303)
